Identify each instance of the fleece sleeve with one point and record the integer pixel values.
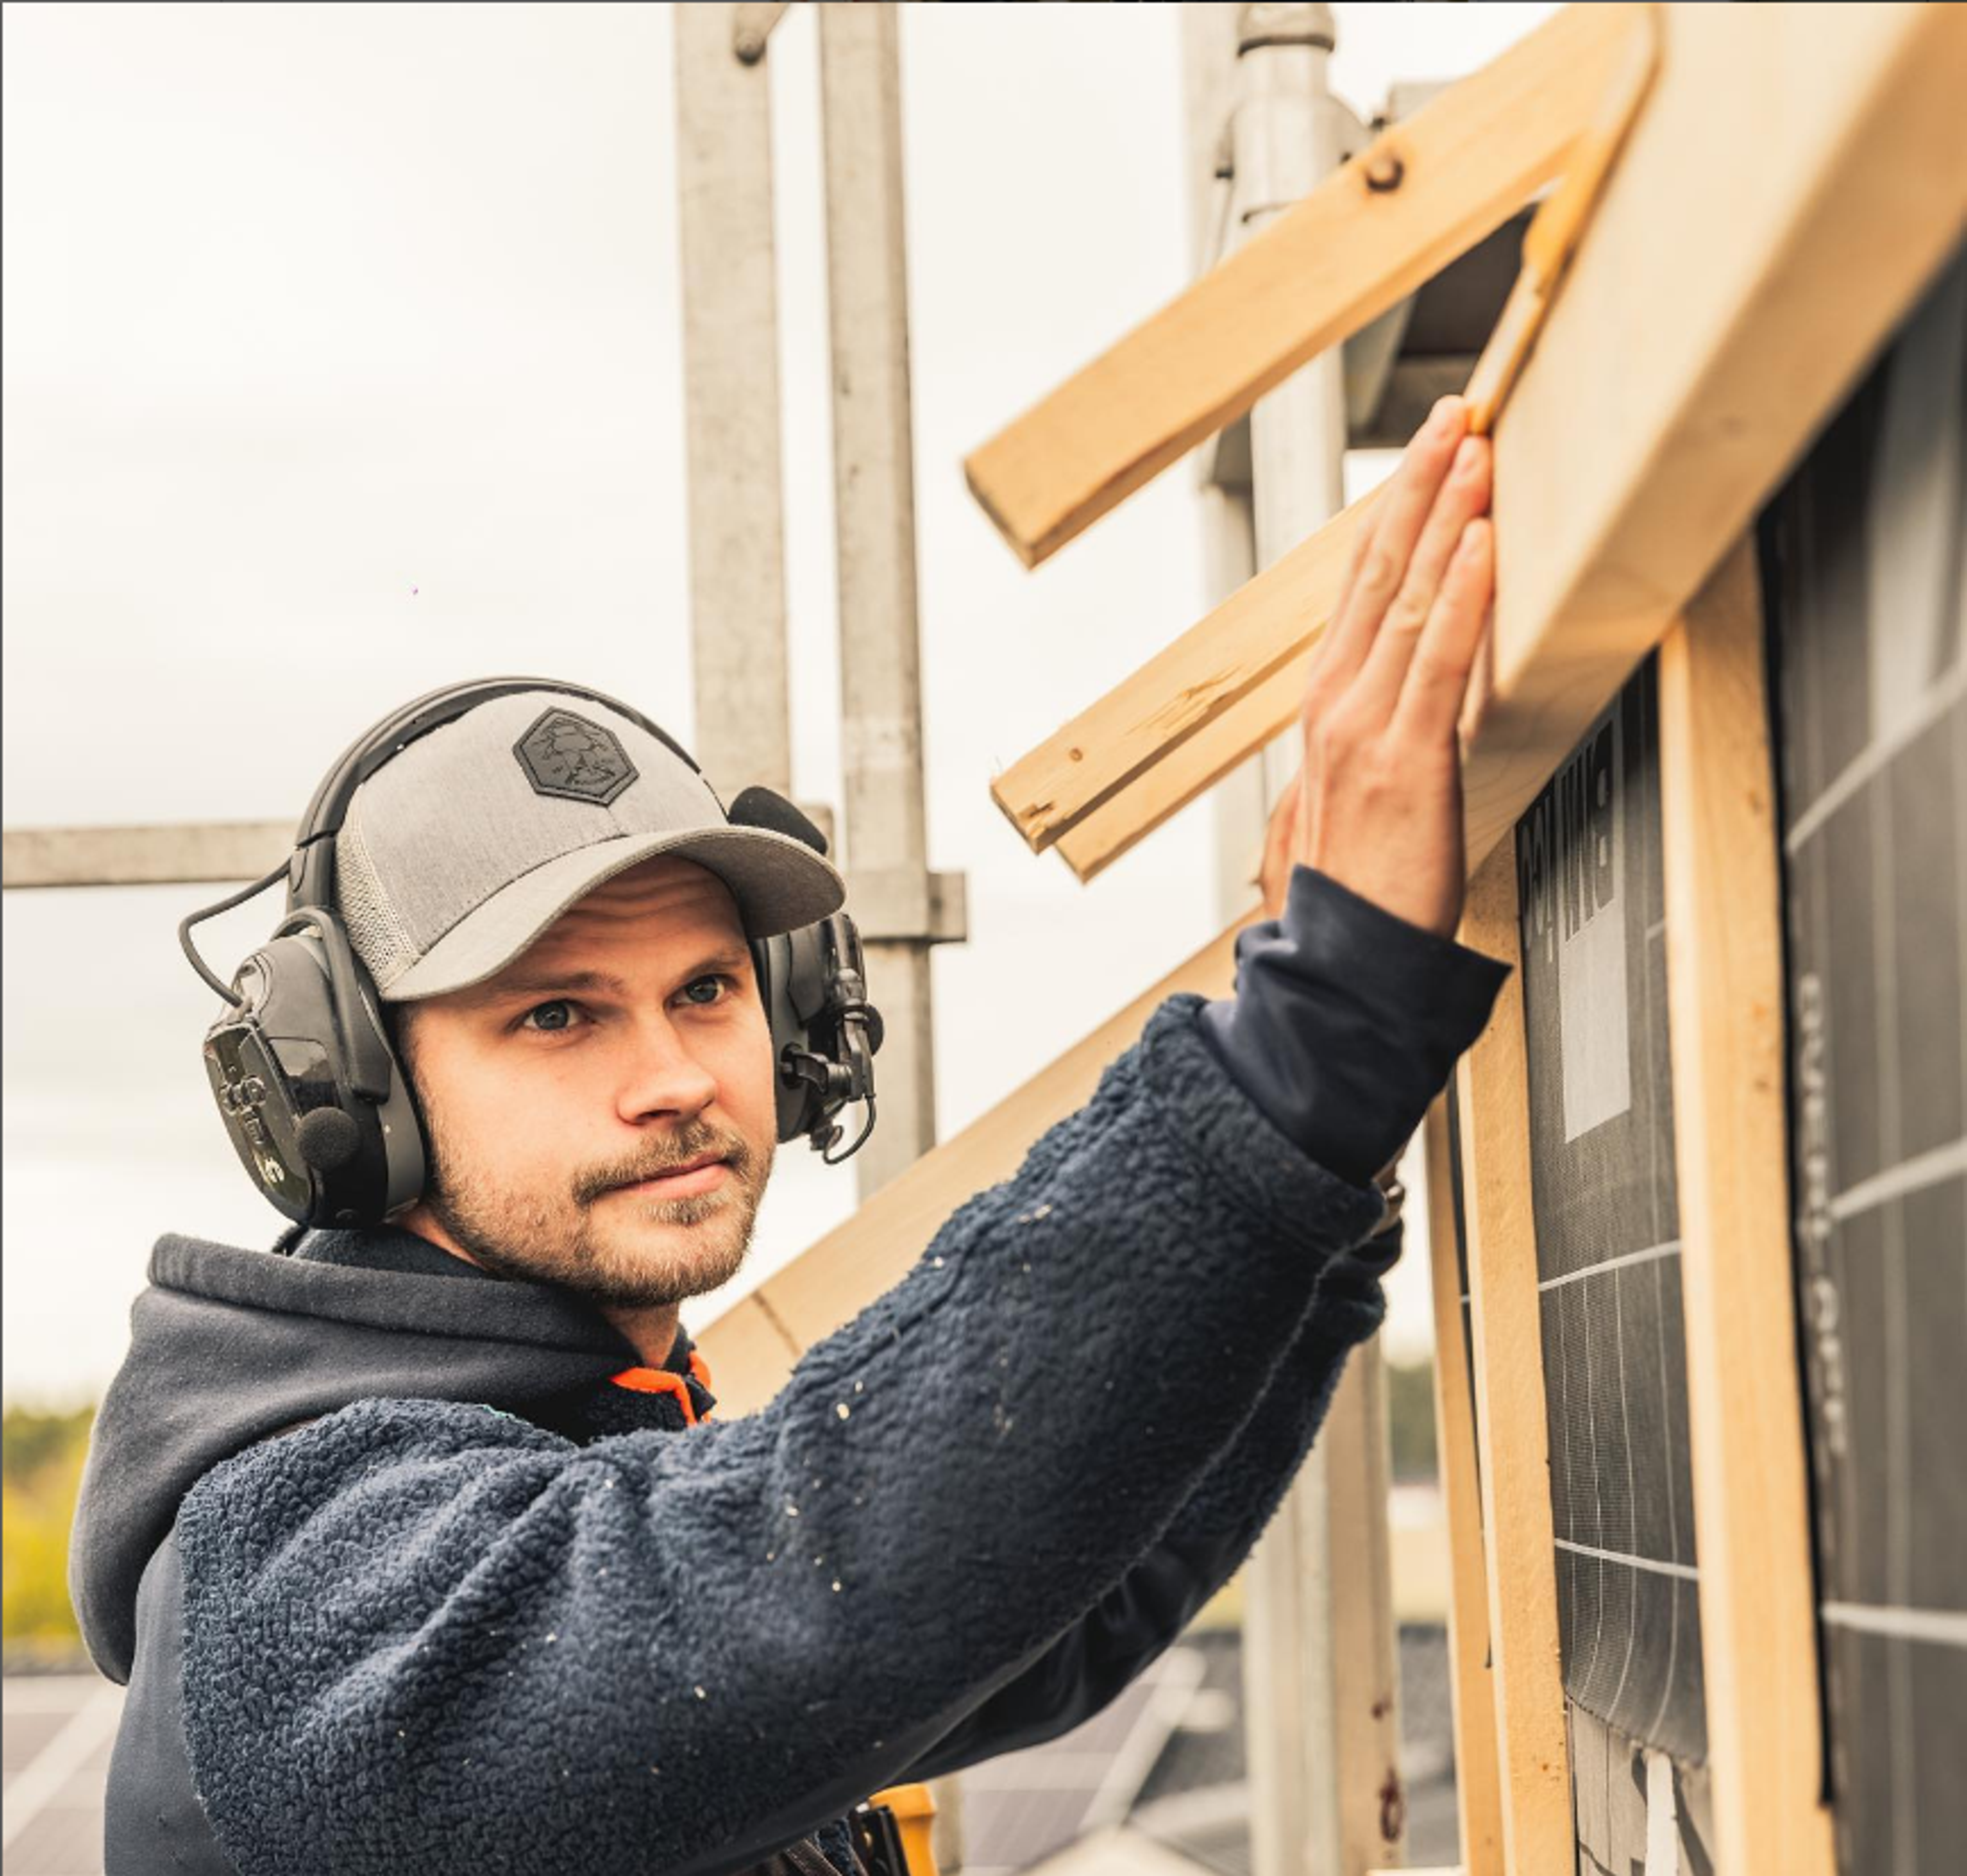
(1347, 1020)
(429, 1635)
(1144, 1613)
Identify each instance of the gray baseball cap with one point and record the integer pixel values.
(460, 851)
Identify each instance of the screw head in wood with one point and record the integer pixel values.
(1383, 170)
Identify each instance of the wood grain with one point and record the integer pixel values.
(1797, 176)
(1806, 170)
(1460, 167)
(1477, 1786)
(1533, 1752)
(1725, 1002)
(1184, 689)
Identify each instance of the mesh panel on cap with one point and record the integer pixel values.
(377, 935)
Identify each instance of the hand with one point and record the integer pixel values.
(1376, 803)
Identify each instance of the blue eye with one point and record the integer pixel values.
(550, 1029)
(717, 983)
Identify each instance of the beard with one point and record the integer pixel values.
(615, 1249)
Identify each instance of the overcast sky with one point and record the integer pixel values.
(342, 360)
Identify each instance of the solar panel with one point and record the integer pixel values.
(1862, 554)
(1591, 891)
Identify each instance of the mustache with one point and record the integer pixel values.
(691, 1143)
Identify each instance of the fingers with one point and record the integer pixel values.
(1385, 546)
(1362, 540)
(1463, 495)
(1432, 700)
(1481, 682)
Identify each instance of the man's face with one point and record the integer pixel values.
(561, 1097)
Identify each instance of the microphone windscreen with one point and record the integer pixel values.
(765, 808)
(329, 1138)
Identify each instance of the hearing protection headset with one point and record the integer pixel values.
(303, 1062)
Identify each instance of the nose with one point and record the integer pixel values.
(661, 1078)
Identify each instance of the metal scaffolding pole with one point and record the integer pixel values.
(880, 665)
(1320, 1668)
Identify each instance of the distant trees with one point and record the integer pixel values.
(41, 1456)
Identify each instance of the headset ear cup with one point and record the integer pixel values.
(405, 1154)
(308, 1085)
(386, 1173)
(772, 961)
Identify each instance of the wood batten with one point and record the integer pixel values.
(1745, 1398)
(1424, 192)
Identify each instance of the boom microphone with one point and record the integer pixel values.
(762, 807)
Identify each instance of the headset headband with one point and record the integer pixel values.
(302, 1061)
(311, 871)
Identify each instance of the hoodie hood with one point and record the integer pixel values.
(230, 1345)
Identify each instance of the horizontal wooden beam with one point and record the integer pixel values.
(752, 1345)
(1230, 736)
(1383, 223)
(1803, 173)
(1183, 691)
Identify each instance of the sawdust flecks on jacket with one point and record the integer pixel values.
(481, 1613)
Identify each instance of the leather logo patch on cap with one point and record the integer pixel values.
(566, 755)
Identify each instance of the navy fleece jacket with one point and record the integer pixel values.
(430, 1633)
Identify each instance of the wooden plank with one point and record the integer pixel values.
(1725, 1002)
(165, 855)
(752, 1345)
(1805, 168)
(1182, 690)
(1479, 1791)
(1426, 190)
(1219, 743)
(1318, 1624)
(1555, 229)
(1807, 172)
(1532, 1749)
(1353, 1465)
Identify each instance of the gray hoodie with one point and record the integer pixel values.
(484, 1610)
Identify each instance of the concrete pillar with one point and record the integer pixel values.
(731, 405)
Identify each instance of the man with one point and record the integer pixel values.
(418, 1546)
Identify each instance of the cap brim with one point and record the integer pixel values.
(779, 884)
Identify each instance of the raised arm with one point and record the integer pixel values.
(449, 1639)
